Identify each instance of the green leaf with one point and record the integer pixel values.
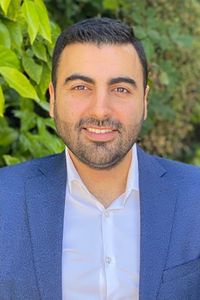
(8, 135)
(44, 28)
(164, 78)
(153, 35)
(149, 48)
(15, 34)
(31, 68)
(13, 9)
(44, 105)
(8, 58)
(27, 119)
(10, 160)
(55, 31)
(45, 79)
(33, 143)
(39, 50)
(30, 11)
(49, 122)
(185, 41)
(110, 4)
(138, 18)
(4, 36)
(51, 142)
(2, 101)
(4, 5)
(140, 32)
(19, 82)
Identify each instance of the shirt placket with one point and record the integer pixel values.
(108, 254)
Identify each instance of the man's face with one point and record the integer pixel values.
(99, 103)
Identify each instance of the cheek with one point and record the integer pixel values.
(131, 114)
(68, 110)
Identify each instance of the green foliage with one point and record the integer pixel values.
(26, 41)
(174, 68)
(170, 33)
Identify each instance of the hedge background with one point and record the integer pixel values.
(170, 32)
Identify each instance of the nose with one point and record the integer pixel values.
(100, 106)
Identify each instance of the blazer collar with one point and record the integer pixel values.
(45, 198)
(157, 198)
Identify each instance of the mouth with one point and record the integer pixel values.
(100, 134)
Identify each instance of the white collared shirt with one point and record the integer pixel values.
(101, 253)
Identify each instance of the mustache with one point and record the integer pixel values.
(99, 123)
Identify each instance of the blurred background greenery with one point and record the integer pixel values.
(170, 32)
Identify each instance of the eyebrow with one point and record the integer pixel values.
(112, 81)
(122, 79)
(79, 77)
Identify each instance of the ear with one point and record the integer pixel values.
(52, 99)
(146, 101)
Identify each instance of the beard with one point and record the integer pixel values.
(98, 154)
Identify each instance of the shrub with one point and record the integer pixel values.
(27, 38)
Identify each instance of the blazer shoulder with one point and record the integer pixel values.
(166, 167)
(178, 168)
(25, 170)
(184, 176)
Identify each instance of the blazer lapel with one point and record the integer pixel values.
(45, 197)
(158, 198)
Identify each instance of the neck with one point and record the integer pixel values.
(105, 185)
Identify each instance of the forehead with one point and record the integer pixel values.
(100, 61)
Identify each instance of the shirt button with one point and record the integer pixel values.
(108, 260)
(106, 213)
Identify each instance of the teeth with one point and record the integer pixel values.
(99, 130)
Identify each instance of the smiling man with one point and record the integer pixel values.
(99, 103)
(103, 220)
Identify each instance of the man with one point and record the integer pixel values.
(103, 220)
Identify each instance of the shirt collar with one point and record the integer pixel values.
(72, 174)
(133, 175)
(132, 181)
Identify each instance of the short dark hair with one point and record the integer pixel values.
(98, 31)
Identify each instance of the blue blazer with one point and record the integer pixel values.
(32, 198)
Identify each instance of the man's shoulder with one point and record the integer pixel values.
(184, 177)
(26, 169)
(170, 166)
(175, 171)
(14, 180)
(177, 167)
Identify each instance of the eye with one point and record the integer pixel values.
(121, 90)
(80, 88)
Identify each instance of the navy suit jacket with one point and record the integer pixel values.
(32, 198)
